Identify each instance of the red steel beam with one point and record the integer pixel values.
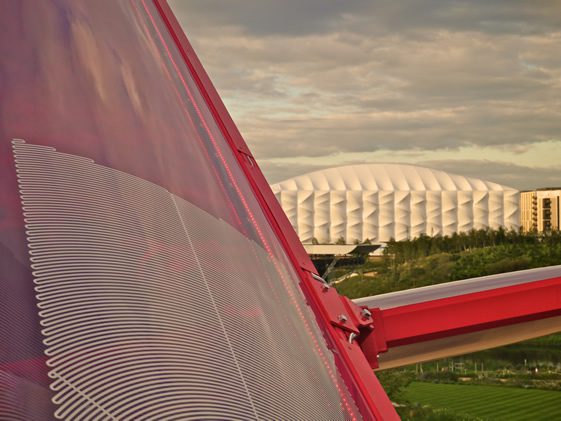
(462, 314)
(369, 395)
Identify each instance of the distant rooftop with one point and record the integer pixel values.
(340, 250)
(385, 177)
(541, 189)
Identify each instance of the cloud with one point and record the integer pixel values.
(267, 17)
(517, 176)
(324, 77)
(278, 172)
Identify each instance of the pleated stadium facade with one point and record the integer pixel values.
(384, 201)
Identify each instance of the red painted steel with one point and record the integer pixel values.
(373, 340)
(332, 307)
(367, 391)
(461, 314)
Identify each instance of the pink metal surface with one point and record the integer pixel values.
(140, 197)
(127, 192)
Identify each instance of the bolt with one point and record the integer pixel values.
(342, 318)
(365, 313)
(325, 287)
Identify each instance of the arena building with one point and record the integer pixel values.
(383, 201)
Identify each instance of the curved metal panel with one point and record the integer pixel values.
(162, 289)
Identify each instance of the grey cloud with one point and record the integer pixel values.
(512, 175)
(495, 17)
(263, 17)
(279, 172)
(431, 130)
(267, 17)
(321, 77)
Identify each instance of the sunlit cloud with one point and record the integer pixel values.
(315, 83)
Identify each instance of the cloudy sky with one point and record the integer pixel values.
(469, 87)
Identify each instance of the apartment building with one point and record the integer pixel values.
(539, 210)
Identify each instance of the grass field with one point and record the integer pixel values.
(489, 402)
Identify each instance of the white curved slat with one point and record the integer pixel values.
(152, 308)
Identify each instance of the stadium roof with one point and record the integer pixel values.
(385, 177)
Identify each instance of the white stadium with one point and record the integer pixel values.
(384, 201)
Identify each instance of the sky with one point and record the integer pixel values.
(469, 87)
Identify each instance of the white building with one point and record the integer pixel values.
(383, 201)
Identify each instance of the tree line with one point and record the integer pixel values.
(403, 251)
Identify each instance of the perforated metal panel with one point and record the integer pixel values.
(163, 289)
(154, 309)
(22, 399)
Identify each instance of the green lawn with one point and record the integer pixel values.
(489, 402)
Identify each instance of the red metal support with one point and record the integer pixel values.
(462, 314)
(328, 306)
(347, 323)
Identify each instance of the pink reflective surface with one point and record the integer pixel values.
(104, 104)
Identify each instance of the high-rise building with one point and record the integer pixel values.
(539, 210)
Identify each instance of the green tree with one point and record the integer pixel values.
(341, 241)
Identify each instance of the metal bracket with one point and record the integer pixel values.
(360, 325)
